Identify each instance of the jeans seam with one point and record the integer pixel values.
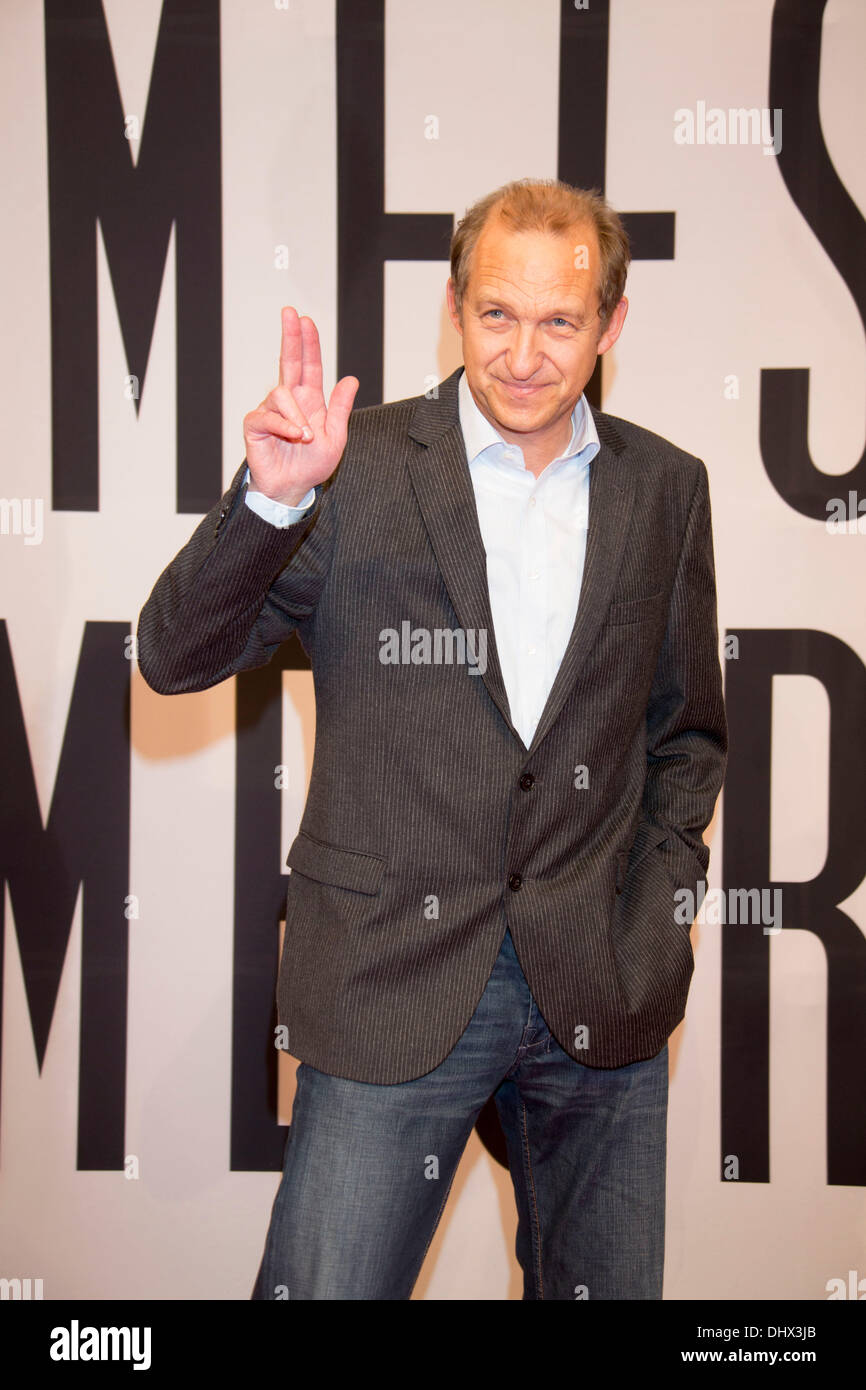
(532, 1204)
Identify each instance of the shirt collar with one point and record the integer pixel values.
(479, 434)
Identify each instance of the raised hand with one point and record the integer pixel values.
(293, 440)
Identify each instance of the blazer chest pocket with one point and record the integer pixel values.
(634, 610)
(341, 868)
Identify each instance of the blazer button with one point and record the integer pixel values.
(514, 882)
(527, 781)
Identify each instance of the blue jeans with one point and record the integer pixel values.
(368, 1168)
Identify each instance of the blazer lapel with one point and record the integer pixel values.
(611, 498)
(443, 488)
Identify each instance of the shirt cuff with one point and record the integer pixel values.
(277, 513)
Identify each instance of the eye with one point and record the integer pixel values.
(492, 311)
(560, 322)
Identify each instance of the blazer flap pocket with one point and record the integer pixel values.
(342, 868)
(635, 609)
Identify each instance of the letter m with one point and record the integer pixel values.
(85, 842)
(744, 126)
(93, 187)
(449, 646)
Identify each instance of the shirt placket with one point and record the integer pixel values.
(533, 610)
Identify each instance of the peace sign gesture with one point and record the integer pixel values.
(293, 440)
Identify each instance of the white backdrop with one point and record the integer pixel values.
(749, 287)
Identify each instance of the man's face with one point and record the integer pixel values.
(530, 329)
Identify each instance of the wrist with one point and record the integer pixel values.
(286, 499)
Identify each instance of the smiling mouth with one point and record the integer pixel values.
(522, 389)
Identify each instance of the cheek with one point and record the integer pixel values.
(579, 363)
(481, 353)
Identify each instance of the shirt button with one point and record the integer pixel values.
(531, 651)
(527, 781)
(514, 882)
(532, 501)
(534, 575)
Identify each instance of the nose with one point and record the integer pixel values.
(523, 357)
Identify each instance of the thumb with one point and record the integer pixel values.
(340, 407)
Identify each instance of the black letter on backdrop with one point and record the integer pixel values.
(811, 905)
(583, 52)
(257, 1141)
(86, 841)
(91, 179)
(820, 195)
(367, 236)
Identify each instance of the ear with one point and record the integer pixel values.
(614, 327)
(452, 307)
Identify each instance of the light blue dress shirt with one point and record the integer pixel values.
(277, 513)
(534, 534)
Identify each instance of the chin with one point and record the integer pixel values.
(524, 411)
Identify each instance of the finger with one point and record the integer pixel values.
(265, 423)
(340, 407)
(291, 352)
(311, 369)
(284, 403)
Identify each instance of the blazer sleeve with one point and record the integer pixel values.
(687, 737)
(238, 588)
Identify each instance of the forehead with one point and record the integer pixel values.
(534, 265)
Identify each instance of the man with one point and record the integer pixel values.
(508, 600)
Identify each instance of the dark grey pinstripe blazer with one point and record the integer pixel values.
(429, 826)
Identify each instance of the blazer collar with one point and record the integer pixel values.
(440, 477)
